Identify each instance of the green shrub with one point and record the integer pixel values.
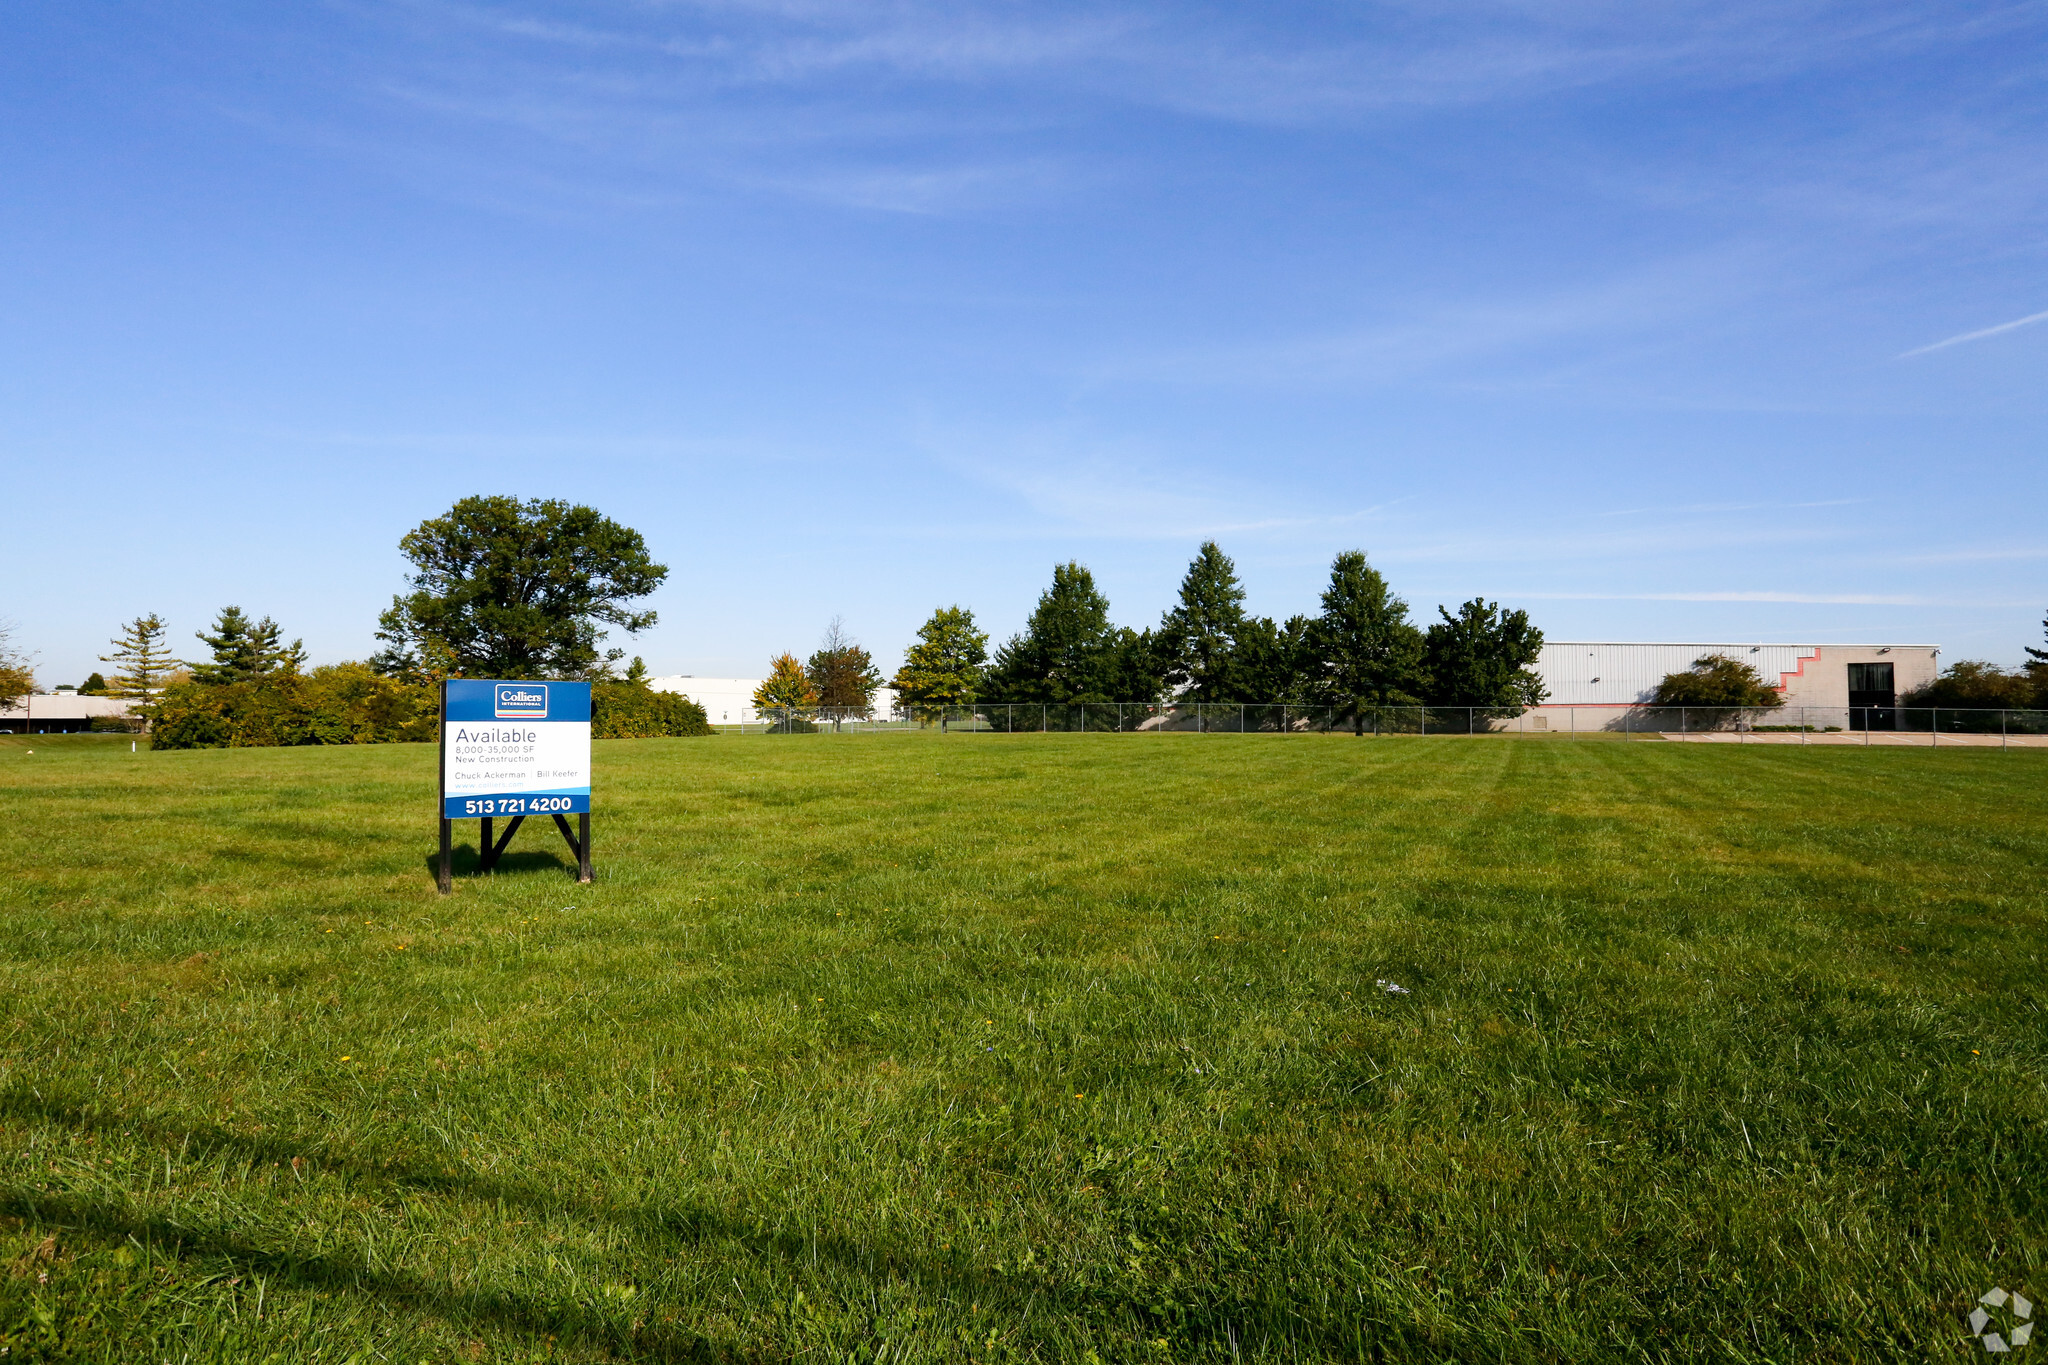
(186, 718)
(1973, 683)
(1717, 680)
(352, 703)
(356, 704)
(633, 710)
(347, 703)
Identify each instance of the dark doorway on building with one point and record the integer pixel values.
(1871, 699)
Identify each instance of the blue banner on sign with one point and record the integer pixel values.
(481, 699)
(523, 803)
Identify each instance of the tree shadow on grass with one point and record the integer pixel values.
(108, 1220)
(679, 1225)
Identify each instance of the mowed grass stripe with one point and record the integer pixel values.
(1010, 1048)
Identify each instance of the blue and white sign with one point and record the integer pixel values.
(515, 748)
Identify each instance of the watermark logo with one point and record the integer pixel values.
(522, 701)
(2002, 1321)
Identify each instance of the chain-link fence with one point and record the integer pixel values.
(836, 720)
(1715, 724)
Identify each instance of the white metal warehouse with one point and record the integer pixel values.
(1601, 680)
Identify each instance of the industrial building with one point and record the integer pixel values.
(730, 701)
(59, 713)
(1592, 685)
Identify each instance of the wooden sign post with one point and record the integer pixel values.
(514, 749)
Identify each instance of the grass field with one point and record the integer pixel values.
(1027, 1048)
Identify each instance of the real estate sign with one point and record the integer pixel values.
(514, 748)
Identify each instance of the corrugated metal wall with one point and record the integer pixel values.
(1622, 674)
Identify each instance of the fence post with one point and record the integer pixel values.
(1933, 726)
(1423, 711)
(2001, 729)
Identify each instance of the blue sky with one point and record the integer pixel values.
(1671, 322)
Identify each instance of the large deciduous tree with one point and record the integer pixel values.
(787, 688)
(843, 674)
(1973, 684)
(504, 588)
(1483, 657)
(1365, 650)
(17, 671)
(944, 668)
(1069, 652)
(1198, 638)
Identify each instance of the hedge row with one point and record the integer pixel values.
(352, 703)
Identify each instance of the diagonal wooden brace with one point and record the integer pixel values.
(579, 847)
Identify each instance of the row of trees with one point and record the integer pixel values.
(1973, 684)
(505, 588)
(839, 678)
(1360, 650)
(498, 588)
(249, 695)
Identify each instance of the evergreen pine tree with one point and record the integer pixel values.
(1062, 654)
(273, 656)
(245, 650)
(1198, 637)
(1271, 661)
(1366, 651)
(141, 657)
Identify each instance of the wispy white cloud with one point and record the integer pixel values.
(661, 87)
(1521, 341)
(1731, 507)
(1978, 556)
(1979, 335)
(1832, 599)
(1062, 480)
(1248, 65)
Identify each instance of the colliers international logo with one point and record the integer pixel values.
(2002, 1321)
(522, 701)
